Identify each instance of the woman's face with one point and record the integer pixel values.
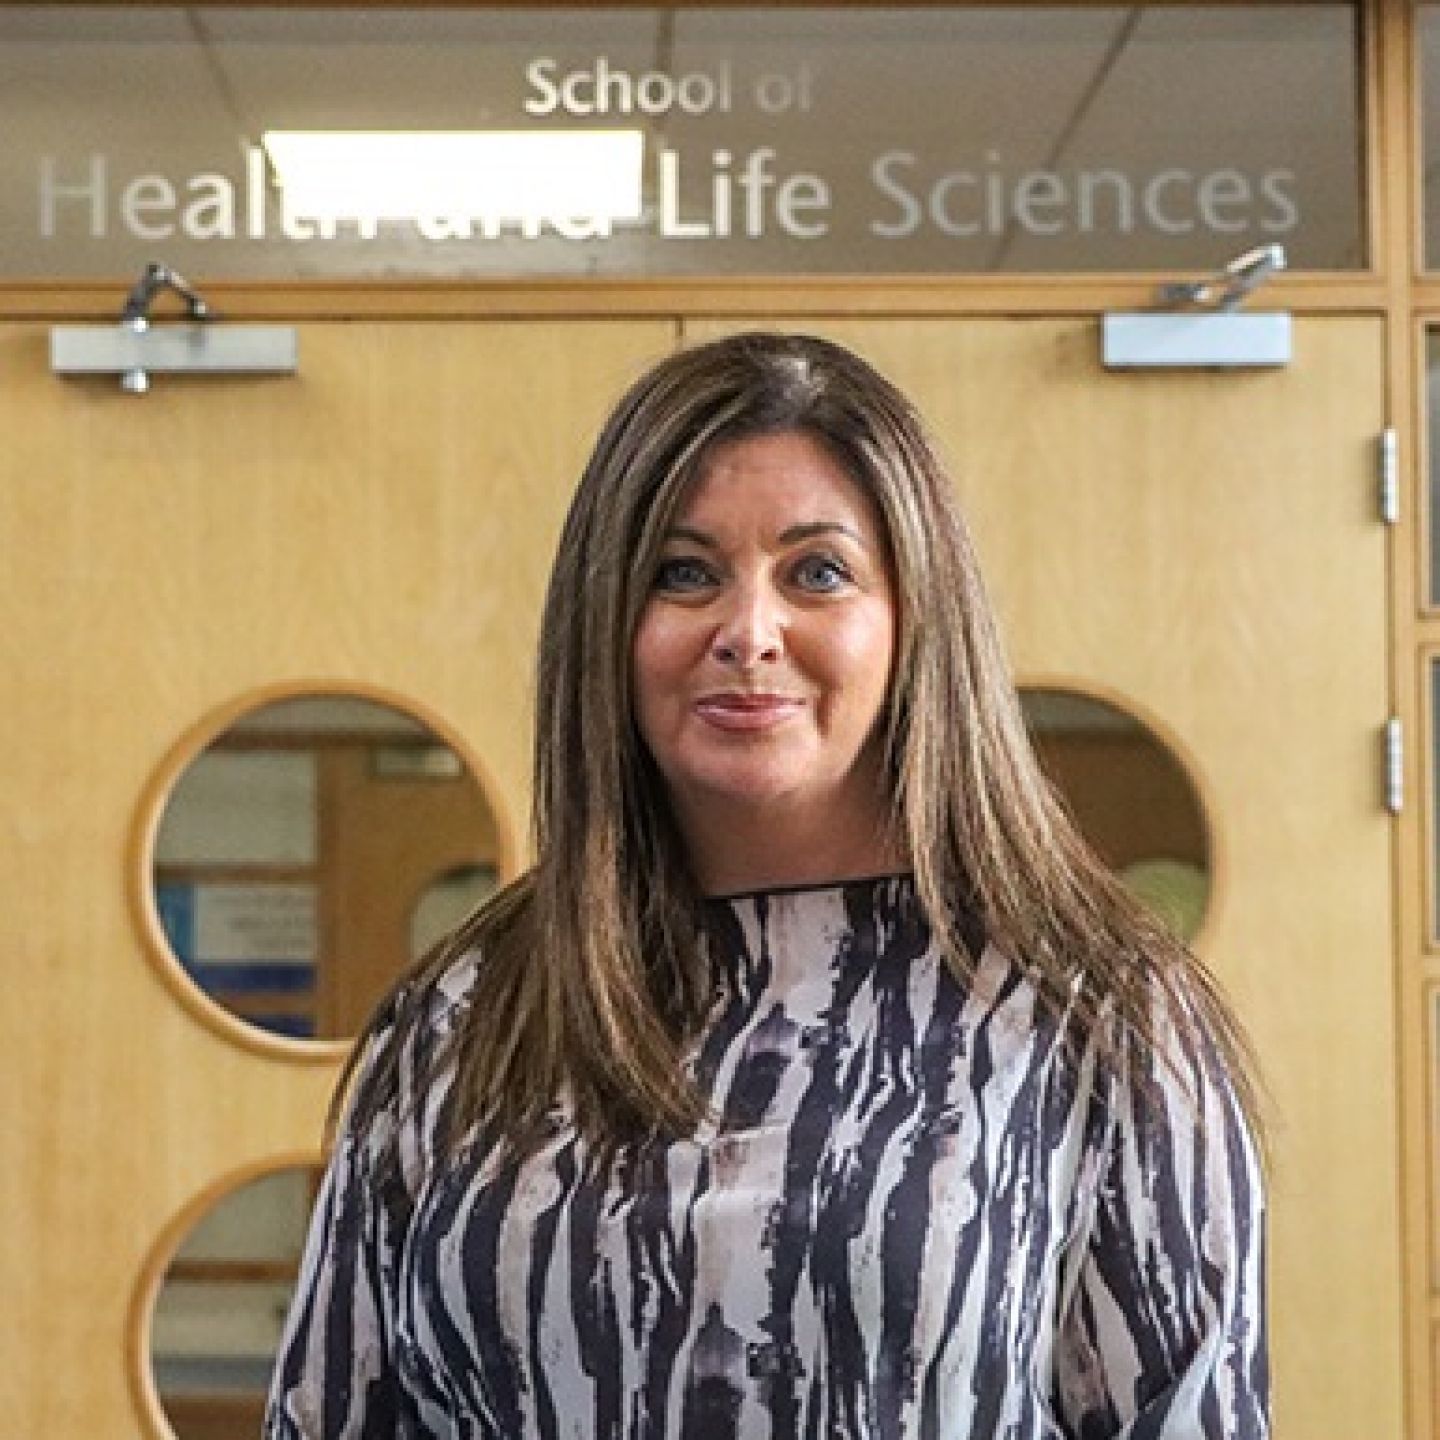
(763, 653)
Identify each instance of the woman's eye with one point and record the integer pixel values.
(821, 572)
(681, 574)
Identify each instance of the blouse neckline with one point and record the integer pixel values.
(813, 887)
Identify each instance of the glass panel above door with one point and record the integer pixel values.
(633, 142)
(1431, 420)
(1427, 24)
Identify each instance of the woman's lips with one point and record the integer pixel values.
(746, 712)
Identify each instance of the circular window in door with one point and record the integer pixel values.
(287, 850)
(1132, 797)
(213, 1300)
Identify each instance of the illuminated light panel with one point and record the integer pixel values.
(497, 174)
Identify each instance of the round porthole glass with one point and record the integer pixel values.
(447, 902)
(1132, 797)
(221, 1304)
(293, 851)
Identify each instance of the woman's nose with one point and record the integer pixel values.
(750, 628)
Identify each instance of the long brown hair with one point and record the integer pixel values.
(591, 979)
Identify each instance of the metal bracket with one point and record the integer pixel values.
(1201, 339)
(136, 348)
(154, 278)
(1394, 765)
(180, 349)
(1389, 475)
(1198, 325)
(1229, 285)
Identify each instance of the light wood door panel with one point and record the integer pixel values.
(384, 519)
(1205, 548)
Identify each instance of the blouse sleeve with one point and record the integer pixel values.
(335, 1376)
(1162, 1331)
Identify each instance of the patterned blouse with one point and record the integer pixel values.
(919, 1215)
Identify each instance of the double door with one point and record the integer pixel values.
(1192, 555)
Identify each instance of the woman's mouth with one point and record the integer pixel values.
(737, 711)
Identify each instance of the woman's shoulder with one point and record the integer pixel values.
(420, 1011)
(1171, 1034)
(416, 1022)
(395, 1086)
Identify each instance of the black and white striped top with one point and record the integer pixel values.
(915, 1218)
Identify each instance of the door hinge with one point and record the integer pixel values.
(1394, 765)
(1389, 461)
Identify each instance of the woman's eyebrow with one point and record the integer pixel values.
(812, 528)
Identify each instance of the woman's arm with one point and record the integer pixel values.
(1163, 1327)
(334, 1377)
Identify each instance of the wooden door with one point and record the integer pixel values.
(382, 522)
(1204, 549)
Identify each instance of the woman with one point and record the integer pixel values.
(817, 1080)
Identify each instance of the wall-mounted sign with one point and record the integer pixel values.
(664, 142)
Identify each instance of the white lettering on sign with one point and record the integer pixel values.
(967, 202)
(147, 196)
(751, 193)
(698, 193)
(603, 89)
(53, 192)
(714, 196)
(210, 215)
(148, 207)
